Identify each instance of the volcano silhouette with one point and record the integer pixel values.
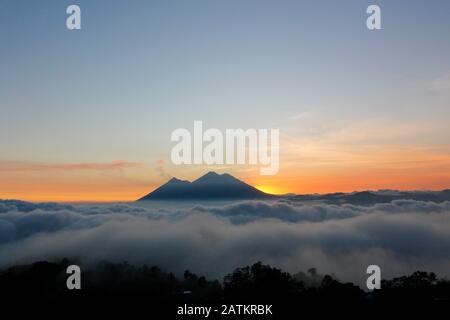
(211, 186)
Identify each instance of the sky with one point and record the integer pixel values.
(86, 115)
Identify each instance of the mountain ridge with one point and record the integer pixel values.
(214, 186)
(209, 186)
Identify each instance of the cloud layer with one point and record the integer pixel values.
(401, 236)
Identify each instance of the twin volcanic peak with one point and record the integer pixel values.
(210, 186)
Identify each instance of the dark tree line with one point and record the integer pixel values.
(121, 286)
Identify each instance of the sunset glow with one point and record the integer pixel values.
(89, 115)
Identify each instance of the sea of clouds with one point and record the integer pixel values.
(211, 239)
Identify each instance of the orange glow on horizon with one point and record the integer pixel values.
(313, 169)
(61, 187)
(271, 189)
(300, 184)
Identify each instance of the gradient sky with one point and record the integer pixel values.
(87, 115)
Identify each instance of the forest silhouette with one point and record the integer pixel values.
(125, 288)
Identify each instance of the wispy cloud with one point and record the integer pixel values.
(161, 170)
(17, 166)
(441, 84)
